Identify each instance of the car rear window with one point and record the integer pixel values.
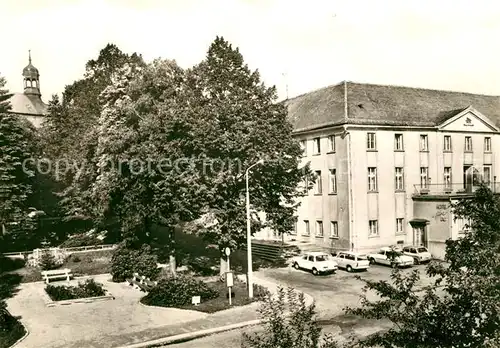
(321, 257)
(362, 257)
(422, 250)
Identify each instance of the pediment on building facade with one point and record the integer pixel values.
(468, 120)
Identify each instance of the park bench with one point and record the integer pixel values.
(56, 274)
(141, 282)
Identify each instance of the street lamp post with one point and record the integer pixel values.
(249, 235)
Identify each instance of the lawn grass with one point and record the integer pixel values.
(80, 264)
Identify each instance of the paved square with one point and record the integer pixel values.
(100, 322)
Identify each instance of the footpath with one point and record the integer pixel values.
(123, 322)
(226, 320)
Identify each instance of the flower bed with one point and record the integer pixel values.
(178, 292)
(87, 289)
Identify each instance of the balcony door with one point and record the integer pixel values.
(472, 178)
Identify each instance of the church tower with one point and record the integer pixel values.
(31, 79)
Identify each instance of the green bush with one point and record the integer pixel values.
(80, 240)
(47, 261)
(90, 288)
(10, 328)
(125, 262)
(201, 265)
(178, 291)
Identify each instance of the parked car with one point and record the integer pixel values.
(390, 257)
(315, 261)
(420, 254)
(351, 261)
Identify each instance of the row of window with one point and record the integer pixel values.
(371, 143)
(319, 232)
(317, 145)
(373, 230)
(424, 177)
(318, 185)
(399, 181)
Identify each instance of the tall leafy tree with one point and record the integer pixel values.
(72, 129)
(4, 96)
(143, 154)
(237, 122)
(461, 309)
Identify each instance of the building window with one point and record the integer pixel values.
(487, 144)
(307, 230)
(487, 174)
(373, 228)
(318, 187)
(398, 142)
(334, 229)
(371, 143)
(306, 184)
(400, 226)
(294, 231)
(399, 183)
(333, 181)
(424, 142)
(331, 143)
(303, 146)
(319, 228)
(468, 144)
(447, 143)
(317, 146)
(447, 177)
(424, 177)
(372, 179)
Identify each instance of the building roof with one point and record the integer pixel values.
(28, 104)
(357, 103)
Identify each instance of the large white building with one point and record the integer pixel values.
(389, 162)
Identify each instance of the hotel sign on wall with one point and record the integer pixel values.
(441, 212)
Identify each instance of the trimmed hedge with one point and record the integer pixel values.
(90, 288)
(178, 291)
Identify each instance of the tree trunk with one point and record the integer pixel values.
(223, 265)
(173, 264)
(172, 261)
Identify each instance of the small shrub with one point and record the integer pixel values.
(125, 262)
(260, 292)
(90, 288)
(201, 265)
(80, 240)
(75, 258)
(48, 261)
(178, 291)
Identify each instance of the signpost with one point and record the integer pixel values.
(229, 274)
(196, 300)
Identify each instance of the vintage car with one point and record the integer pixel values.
(351, 261)
(390, 257)
(315, 261)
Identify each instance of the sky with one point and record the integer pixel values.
(296, 45)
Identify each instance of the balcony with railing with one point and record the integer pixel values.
(451, 189)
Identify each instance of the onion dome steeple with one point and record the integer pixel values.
(31, 78)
